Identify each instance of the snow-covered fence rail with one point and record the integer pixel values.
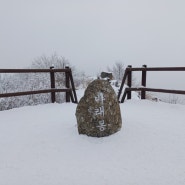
(69, 90)
(128, 76)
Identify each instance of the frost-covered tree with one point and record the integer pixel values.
(118, 70)
(44, 62)
(58, 62)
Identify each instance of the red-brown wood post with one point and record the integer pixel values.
(67, 85)
(129, 81)
(73, 91)
(52, 80)
(143, 82)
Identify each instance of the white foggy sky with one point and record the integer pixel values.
(93, 34)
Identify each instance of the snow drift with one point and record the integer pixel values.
(40, 145)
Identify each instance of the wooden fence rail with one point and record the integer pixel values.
(128, 76)
(69, 90)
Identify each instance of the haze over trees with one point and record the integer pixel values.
(21, 82)
(118, 70)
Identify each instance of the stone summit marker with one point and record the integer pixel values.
(98, 112)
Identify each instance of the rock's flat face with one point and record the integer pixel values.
(98, 112)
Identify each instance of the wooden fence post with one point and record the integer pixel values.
(67, 85)
(143, 82)
(129, 81)
(73, 91)
(52, 80)
(122, 83)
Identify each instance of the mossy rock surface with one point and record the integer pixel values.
(98, 112)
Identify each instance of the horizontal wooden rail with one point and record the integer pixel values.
(156, 69)
(151, 90)
(34, 70)
(157, 90)
(33, 92)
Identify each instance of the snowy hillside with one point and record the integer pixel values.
(40, 145)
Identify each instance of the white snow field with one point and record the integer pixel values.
(40, 145)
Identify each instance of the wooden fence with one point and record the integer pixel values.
(128, 76)
(69, 83)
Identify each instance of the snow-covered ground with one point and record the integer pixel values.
(40, 145)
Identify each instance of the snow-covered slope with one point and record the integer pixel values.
(40, 145)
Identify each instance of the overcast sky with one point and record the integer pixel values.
(93, 34)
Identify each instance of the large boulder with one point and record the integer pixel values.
(98, 112)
